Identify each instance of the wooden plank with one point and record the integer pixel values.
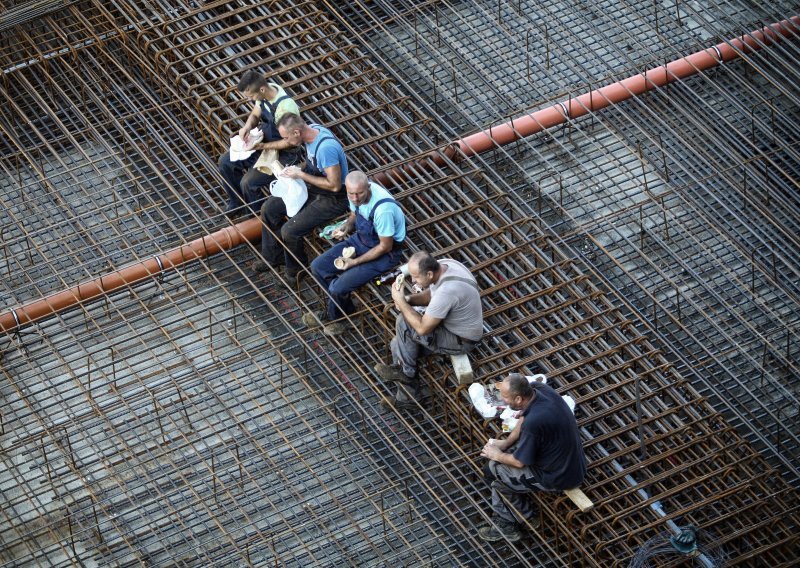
(462, 368)
(580, 499)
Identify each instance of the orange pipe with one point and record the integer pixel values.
(598, 99)
(511, 131)
(224, 239)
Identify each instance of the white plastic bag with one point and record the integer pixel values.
(241, 150)
(293, 192)
(477, 393)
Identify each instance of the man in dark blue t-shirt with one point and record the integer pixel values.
(543, 453)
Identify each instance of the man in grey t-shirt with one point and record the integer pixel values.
(452, 322)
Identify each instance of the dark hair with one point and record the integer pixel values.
(251, 81)
(518, 385)
(290, 121)
(426, 262)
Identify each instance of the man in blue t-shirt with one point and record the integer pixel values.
(544, 452)
(324, 175)
(377, 230)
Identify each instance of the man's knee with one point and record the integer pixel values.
(488, 474)
(272, 212)
(339, 288)
(289, 233)
(318, 267)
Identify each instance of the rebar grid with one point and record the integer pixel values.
(703, 241)
(188, 421)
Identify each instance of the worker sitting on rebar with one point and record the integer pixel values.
(324, 175)
(543, 453)
(373, 236)
(452, 322)
(246, 178)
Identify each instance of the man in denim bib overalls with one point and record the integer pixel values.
(376, 229)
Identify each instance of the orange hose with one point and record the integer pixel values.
(224, 239)
(598, 99)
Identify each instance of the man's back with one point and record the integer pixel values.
(549, 441)
(456, 300)
(325, 151)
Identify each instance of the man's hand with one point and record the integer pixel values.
(398, 295)
(347, 263)
(339, 234)
(244, 133)
(501, 444)
(492, 451)
(292, 172)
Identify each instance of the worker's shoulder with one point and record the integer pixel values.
(456, 272)
(383, 200)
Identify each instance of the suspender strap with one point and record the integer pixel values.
(316, 150)
(274, 106)
(460, 279)
(380, 201)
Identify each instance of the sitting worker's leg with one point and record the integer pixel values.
(511, 502)
(232, 172)
(324, 272)
(347, 281)
(403, 370)
(406, 349)
(273, 213)
(255, 189)
(322, 267)
(316, 211)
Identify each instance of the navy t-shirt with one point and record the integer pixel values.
(549, 441)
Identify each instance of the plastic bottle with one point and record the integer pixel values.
(390, 277)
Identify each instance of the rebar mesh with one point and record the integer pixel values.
(191, 420)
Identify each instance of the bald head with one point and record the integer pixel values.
(356, 178)
(357, 186)
(424, 262)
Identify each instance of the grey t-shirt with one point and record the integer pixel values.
(457, 303)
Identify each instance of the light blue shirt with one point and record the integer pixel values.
(389, 220)
(326, 151)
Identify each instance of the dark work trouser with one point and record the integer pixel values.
(244, 184)
(318, 210)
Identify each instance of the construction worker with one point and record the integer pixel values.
(244, 179)
(543, 453)
(375, 230)
(324, 174)
(452, 322)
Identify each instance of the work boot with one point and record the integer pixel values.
(498, 530)
(335, 328)
(392, 374)
(400, 404)
(291, 274)
(401, 399)
(314, 319)
(262, 266)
